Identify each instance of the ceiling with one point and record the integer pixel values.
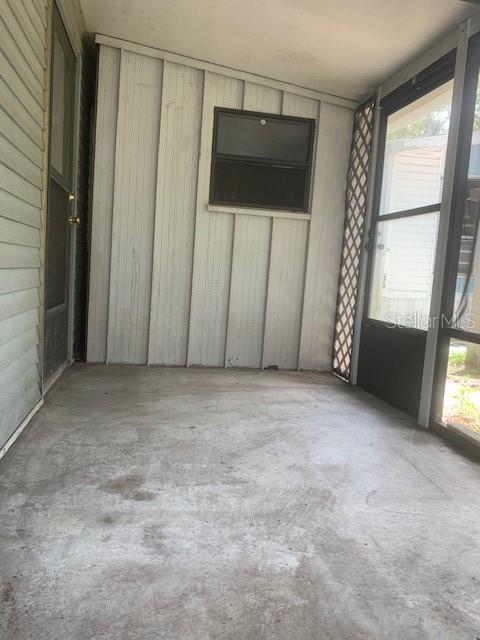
(343, 47)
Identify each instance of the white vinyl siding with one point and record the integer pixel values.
(24, 36)
(23, 44)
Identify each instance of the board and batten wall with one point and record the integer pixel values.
(177, 282)
(25, 34)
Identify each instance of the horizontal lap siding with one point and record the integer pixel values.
(23, 40)
(24, 34)
(11, 103)
(12, 280)
(212, 288)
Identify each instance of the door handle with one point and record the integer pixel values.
(73, 219)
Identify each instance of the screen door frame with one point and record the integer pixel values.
(59, 25)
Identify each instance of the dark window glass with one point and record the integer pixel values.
(262, 137)
(262, 184)
(261, 160)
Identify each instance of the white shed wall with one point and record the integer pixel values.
(174, 281)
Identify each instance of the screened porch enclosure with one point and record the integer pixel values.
(239, 319)
(170, 197)
(418, 346)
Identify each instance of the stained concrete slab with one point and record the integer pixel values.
(148, 503)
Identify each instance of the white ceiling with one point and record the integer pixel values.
(344, 47)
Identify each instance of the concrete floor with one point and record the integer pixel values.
(202, 504)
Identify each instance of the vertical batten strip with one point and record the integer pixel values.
(235, 221)
(250, 261)
(198, 205)
(289, 244)
(155, 256)
(310, 208)
(269, 272)
(199, 155)
(326, 233)
(213, 240)
(175, 214)
(135, 176)
(248, 291)
(288, 247)
(115, 167)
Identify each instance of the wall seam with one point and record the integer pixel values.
(232, 248)
(195, 226)
(269, 275)
(307, 248)
(107, 336)
(160, 120)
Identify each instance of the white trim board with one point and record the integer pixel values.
(474, 24)
(51, 381)
(266, 213)
(215, 68)
(446, 212)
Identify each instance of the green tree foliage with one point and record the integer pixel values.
(476, 120)
(434, 123)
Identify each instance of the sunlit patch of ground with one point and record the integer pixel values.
(462, 391)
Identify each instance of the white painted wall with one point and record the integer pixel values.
(173, 281)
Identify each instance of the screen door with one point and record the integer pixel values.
(413, 138)
(60, 200)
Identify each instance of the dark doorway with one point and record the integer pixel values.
(60, 200)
